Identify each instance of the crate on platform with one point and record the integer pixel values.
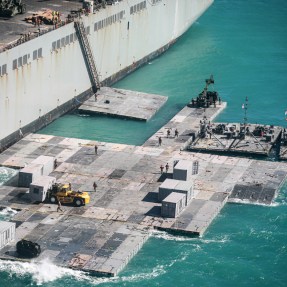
(47, 162)
(172, 185)
(7, 232)
(166, 188)
(29, 173)
(39, 188)
(184, 169)
(173, 205)
(185, 187)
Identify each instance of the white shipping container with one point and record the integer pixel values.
(166, 188)
(183, 170)
(47, 162)
(173, 205)
(39, 188)
(173, 185)
(29, 173)
(185, 187)
(7, 232)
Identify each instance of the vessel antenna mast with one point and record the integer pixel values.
(245, 107)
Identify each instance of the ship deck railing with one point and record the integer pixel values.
(27, 37)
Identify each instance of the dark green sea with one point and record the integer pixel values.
(244, 45)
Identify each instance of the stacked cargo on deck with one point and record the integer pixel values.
(7, 232)
(175, 194)
(35, 176)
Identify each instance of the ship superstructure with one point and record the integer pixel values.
(45, 77)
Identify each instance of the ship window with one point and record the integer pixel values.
(128, 25)
(0, 71)
(144, 4)
(75, 37)
(96, 27)
(25, 58)
(14, 65)
(54, 44)
(138, 7)
(58, 44)
(4, 69)
(132, 10)
(20, 62)
(62, 42)
(40, 53)
(67, 40)
(88, 30)
(71, 38)
(35, 55)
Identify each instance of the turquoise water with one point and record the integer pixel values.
(244, 45)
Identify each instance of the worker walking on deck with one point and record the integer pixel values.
(161, 169)
(159, 141)
(168, 133)
(96, 149)
(166, 167)
(59, 206)
(176, 133)
(95, 186)
(55, 163)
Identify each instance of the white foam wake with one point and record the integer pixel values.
(167, 236)
(40, 272)
(7, 213)
(45, 271)
(6, 173)
(164, 235)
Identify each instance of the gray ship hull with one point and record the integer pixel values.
(47, 76)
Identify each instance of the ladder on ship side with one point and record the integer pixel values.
(88, 55)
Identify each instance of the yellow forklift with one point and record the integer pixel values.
(64, 194)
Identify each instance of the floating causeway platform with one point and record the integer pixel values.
(104, 235)
(225, 142)
(123, 103)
